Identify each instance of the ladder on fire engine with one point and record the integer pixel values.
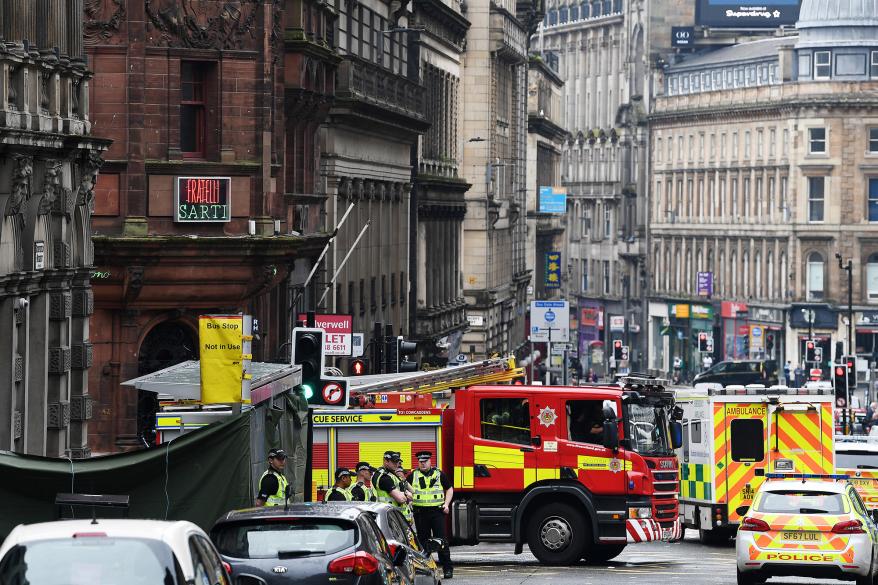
(490, 371)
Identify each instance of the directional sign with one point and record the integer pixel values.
(546, 316)
(333, 393)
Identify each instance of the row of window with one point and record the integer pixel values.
(590, 277)
(820, 67)
(687, 148)
(722, 79)
(584, 11)
(678, 273)
(356, 303)
(817, 200)
(730, 197)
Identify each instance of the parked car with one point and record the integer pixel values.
(740, 372)
(419, 568)
(110, 552)
(309, 544)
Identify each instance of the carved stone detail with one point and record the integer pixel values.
(16, 425)
(214, 25)
(91, 164)
(19, 368)
(58, 415)
(59, 360)
(24, 169)
(51, 186)
(80, 453)
(81, 407)
(83, 303)
(60, 305)
(82, 355)
(103, 19)
(62, 254)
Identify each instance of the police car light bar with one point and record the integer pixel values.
(805, 476)
(642, 380)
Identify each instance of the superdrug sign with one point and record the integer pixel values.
(202, 199)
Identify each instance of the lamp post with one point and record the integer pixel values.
(852, 350)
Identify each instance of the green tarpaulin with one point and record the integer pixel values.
(206, 473)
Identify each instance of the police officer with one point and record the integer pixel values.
(432, 498)
(388, 487)
(273, 483)
(340, 492)
(363, 491)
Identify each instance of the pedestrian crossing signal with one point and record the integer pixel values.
(358, 368)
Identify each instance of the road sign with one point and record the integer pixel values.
(333, 393)
(546, 315)
(461, 358)
(337, 340)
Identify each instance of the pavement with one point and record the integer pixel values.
(687, 562)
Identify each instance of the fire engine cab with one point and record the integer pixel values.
(574, 472)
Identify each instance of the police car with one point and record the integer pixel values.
(857, 457)
(808, 526)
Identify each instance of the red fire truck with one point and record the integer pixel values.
(574, 472)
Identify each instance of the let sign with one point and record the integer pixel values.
(203, 199)
(337, 339)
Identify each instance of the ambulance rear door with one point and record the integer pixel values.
(741, 454)
(800, 437)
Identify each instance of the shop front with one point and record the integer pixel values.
(680, 346)
(700, 321)
(658, 338)
(735, 330)
(591, 343)
(766, 327)
(867, 336)
(817, 322)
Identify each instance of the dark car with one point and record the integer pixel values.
(419, 567)
(740, 372)
(307, 544)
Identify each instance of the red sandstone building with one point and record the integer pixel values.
(206, 201)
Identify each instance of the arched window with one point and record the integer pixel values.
(678, 269)
(815, 277)
(667, 268)
(585, 10)
(769, 265)
(757, 275)
(733, 266)
(872, 278)
(784, 275)
(687, 285)
(720, 283)
(745, 274)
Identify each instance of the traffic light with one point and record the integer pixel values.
(358, 367)
(851, 363)
(391, 357)
(308, 352)
(702, 342)
(810, 351)
(839, 376)
(404, 349)
(617, 350)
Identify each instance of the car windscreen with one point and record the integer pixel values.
(284, 538)
(800, 502)
(91, 560)
(856, 460)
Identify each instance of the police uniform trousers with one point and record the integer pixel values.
(430, 523)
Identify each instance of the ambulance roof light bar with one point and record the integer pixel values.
(638, 381)
(804, 476)
(761, 390)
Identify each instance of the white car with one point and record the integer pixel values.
(110, 552)
(807, 527)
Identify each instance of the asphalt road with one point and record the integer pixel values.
(687, 562)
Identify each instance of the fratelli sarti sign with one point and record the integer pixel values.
(203, 199)
(737, 14)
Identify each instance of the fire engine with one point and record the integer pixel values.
(733, 436)
(573, 472)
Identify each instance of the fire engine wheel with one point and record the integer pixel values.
(558, 534)
(598, 554)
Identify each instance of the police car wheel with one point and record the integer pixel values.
(557, 534)
(750, 578)
(598, 554)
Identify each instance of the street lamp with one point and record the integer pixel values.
(852, 351)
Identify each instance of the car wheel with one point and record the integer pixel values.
(865, 580)
(750, 578)
(712, 537)
(558, 534)
(598, 554)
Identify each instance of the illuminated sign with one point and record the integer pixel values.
(203, 199)
(747, 14)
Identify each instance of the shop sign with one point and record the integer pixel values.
(868, 318)
(705, 284)
(553, 270)
(747, 14)
(338, 330)
(202, 199)
(732, 310)
(757, 338)
(765, 315)
(617, 323)
(682, 36)
(679, 311)
(743, 330)
(704, 312)
(589, 316)
(553, 200)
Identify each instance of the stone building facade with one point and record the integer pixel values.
(48, 162)
(213, 109)
(438, 308)
(367, 146)
(763, 169)
(494, 144)
(608, 52)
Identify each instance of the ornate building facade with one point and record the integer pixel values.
(210, 200)
(48, 163)
(764, 159)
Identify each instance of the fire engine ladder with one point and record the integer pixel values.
(490, 371)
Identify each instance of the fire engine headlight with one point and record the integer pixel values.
(640, 513)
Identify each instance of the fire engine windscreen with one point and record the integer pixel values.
(647, 428)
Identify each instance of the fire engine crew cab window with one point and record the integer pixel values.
(506, 420)
(585, 421)
(747, 440)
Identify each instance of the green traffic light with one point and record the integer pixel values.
(307, 391)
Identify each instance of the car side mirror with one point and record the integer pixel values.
(676, 435)
(611, 435)
(400, 555)
(609, 413)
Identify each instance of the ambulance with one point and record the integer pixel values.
(573, 472)
(733, 436)
(857, 457)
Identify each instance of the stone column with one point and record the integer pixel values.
(52, 32)
(75, 46)
(22, 21)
